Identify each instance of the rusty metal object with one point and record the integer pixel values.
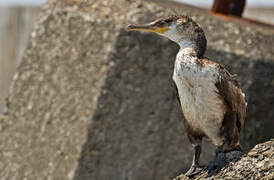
(229, 7)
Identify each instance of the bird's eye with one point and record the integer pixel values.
(168, 21)
(161, 23)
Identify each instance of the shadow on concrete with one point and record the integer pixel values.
(222, 160)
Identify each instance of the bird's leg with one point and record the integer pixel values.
(195, 169)
(220, 159)
(222, 148)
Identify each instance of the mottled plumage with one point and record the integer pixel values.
(212, 104)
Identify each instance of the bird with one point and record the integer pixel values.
(211, 101)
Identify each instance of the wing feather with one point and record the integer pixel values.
(228, 87)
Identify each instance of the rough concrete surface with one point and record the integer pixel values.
(93, 101)
(256, 164)
(15, 25)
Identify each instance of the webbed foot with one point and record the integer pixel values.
(194, 170)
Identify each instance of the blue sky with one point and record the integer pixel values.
(250, 3)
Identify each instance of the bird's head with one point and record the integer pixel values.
(180, 29)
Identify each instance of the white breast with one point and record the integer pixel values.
(201, 105)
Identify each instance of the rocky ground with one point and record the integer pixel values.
(256, 164)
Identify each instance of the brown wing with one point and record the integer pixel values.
(229, 88)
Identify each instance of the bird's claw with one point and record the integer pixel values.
(194, 170)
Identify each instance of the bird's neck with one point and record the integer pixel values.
(188, 48)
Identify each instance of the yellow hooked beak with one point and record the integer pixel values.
(148, 28)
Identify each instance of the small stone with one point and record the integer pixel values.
(260, 157)
(270, 176)
(253, 154)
